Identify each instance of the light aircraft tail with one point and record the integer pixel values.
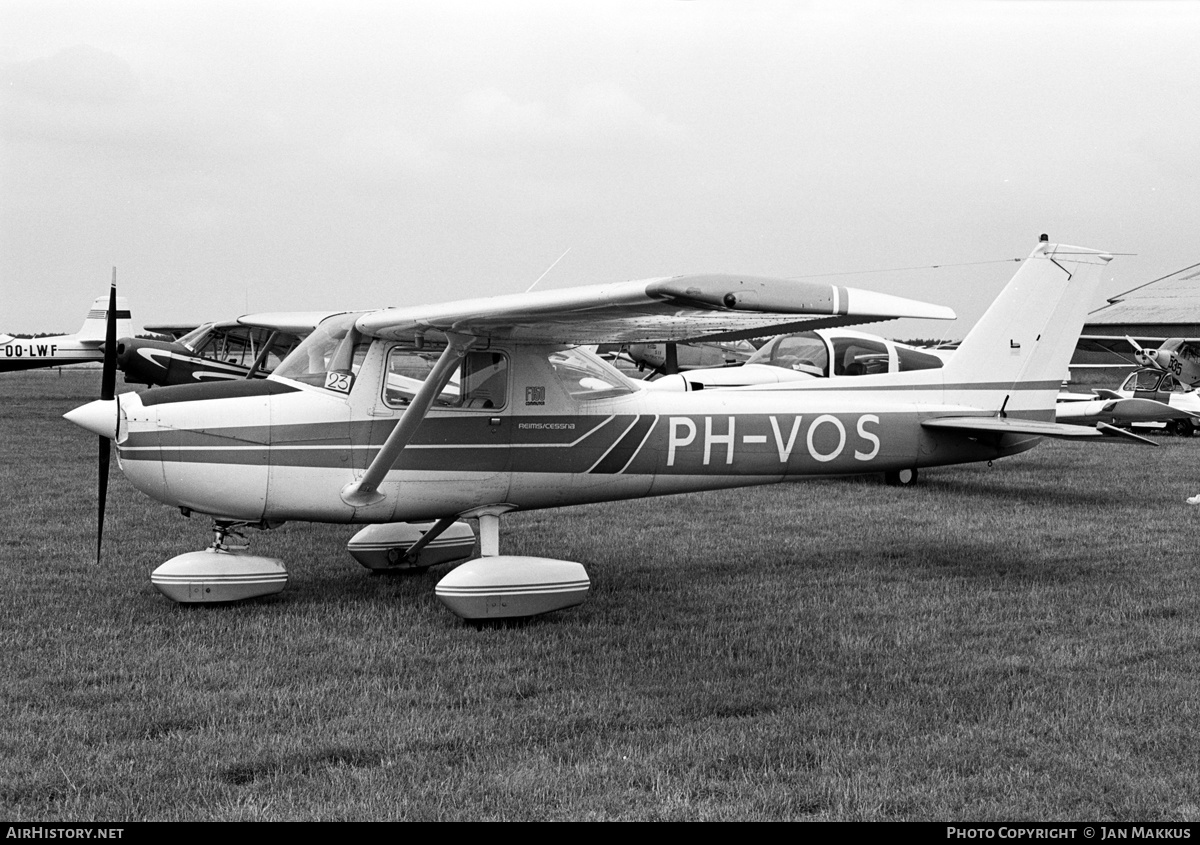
(93, 327)
(1019, 352)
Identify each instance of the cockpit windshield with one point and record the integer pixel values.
(195, 335)
(805, 353)
(329, 357)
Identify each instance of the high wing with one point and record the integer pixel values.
(695, 307)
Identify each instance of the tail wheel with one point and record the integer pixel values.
(901, 477)
(1183, 428)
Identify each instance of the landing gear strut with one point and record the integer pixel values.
(222, 530)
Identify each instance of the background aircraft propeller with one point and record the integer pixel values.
(108, 387)
(1143, 356)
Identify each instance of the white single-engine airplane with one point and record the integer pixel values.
(477, 408)
(58, 350)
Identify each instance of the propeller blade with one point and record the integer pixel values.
(108, 379)
(108, 388)
(102, 497)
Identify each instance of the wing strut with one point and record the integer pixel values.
(365, 491)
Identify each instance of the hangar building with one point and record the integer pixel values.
(1166, 307)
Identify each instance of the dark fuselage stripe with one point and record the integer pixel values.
(626, 449)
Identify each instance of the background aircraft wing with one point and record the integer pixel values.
(171, 330)
(296, 322)
(1119, 410)
(697, 307)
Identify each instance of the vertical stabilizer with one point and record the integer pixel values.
(94, 325)
(1019, 351)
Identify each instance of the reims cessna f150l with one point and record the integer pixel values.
(477, 408)
(58, 350)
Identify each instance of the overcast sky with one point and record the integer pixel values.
(254, 156)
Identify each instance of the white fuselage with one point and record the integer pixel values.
(283, 450)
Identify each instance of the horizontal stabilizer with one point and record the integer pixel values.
(1113, 431)
(1006, 425)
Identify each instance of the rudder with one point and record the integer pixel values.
(93, 327)
(1021, 348)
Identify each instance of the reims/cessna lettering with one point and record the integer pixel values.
(412, 419)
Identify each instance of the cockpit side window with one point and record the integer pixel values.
(858, 356)
(480, 382)
(914, 359)
(1148, 380)
(282, 345)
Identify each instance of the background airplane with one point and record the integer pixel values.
(838, 353)
(1178, 356)
(357, 425)
(1162, 387)
(248, 347)
(649, 360)
(1120, 411)
(85, 346)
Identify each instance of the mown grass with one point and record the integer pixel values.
(1018, 642)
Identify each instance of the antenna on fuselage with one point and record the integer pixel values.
(548, 269)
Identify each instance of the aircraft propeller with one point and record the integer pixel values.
(1140, 354)
(108, 386)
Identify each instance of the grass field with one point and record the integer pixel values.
(1015, 642)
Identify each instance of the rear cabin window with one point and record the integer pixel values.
(914, 359)
(858, 357)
